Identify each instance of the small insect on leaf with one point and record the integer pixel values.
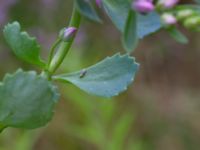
(82, 73)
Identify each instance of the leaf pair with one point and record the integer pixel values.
(27, 100)
(107, 78)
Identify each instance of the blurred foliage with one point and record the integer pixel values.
(159, 112)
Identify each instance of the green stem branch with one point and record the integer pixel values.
(64, 46)
(52, 51)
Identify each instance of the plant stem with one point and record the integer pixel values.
(64, 46)
(52, 51)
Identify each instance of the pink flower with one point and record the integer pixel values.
(143, 6)
(68, 33)
(168, 3)
(169, 19)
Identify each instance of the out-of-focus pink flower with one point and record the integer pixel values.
(167, 3)
(98, 2)
(143, 6)
(169, 19)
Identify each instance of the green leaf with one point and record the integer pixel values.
(118, 11)
(27, 100)
(177, 35)
(188, 6)
(107, 78)
(148, 24)
(86, 9)
(24, 46)
(130, 38)
(128, 24)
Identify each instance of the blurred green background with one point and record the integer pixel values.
(160, 110)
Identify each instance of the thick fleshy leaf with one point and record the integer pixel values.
(130, 38)
(148, 24)
(27, 100)
(24, 46)
(118, 11)
(107, 78)
(86, 9)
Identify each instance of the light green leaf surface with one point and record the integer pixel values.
(27, 100)
(87, 10)
(130, 39)
(24, 46)
(107, 78)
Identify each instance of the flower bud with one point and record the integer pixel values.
(168, 19)
(192, 22)
(67, 34)
(183, 14)
(166, 4)
(143, 6)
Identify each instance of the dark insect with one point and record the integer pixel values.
(82, 73)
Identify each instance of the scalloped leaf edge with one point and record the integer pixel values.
(39, 61)
(34, 74)
(126, 57)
